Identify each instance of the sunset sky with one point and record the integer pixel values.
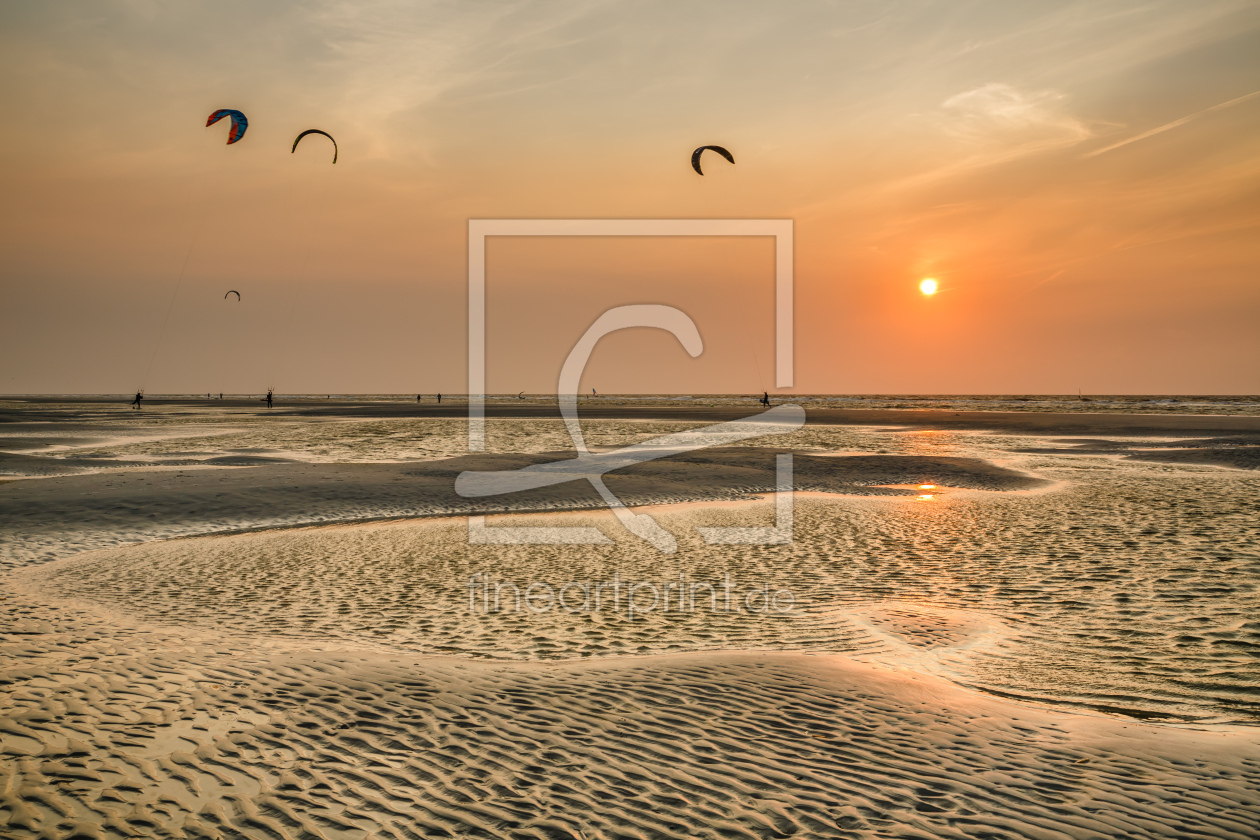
(1081, 179)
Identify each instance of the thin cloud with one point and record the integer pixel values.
(995, 124)
(1003, 114)
(1172, 124)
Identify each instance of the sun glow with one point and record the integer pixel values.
(928, 286)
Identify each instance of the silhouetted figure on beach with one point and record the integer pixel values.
(268, 398)
(418, 397)
(136, 402)
(765, 398)
(220, 395)
(439, 398)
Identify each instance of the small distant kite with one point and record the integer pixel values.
(233, 292)
(695, 156)
(315, 131)
(239, 123)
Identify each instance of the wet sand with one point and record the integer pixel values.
(272, 674)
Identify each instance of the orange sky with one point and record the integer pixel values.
(1081, 179)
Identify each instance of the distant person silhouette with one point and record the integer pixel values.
(439, 398)
(268, 398)
(136, 402)
(765, 399)
(418, 397)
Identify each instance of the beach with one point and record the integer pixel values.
(1008, 621)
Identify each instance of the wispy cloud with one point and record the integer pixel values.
(1001, 114)
(995, 124)
(1171, 125)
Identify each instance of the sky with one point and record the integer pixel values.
(1081, 179)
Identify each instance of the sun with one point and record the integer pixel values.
(928, 286)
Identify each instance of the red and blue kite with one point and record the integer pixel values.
(239, 123)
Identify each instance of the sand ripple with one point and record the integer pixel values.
(113, 731)
(1124, 599)
(938, 678)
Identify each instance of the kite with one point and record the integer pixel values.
(695, 156)
(233, 292)
(239, 123)
(315, 131)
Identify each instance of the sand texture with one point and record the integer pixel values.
(219, 623)
(110, 730)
